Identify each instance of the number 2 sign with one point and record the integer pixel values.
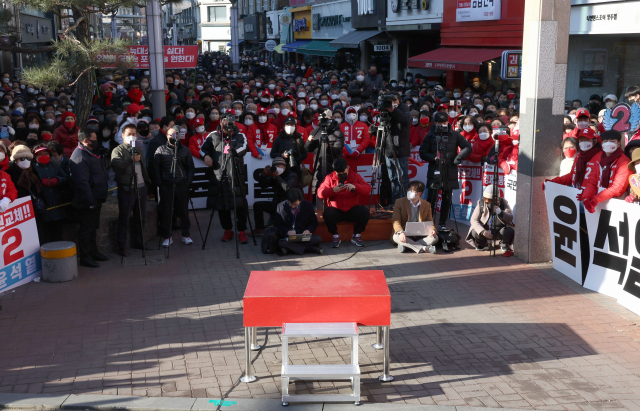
(622, 117)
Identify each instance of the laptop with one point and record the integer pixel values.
(299, 238)
(418, 229)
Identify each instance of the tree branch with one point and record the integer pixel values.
(75, 26)
(81, 74)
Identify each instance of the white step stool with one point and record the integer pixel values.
(320, 372)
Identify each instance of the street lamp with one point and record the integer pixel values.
(174, 40)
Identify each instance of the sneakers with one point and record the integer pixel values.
(442, 227)
(432, 249)
(482, 247)
(401, 248)
(504, 247)
(335, 243)
(228, 235)
(317, 250)
(187, 240)
(357, 240)
(167, 242)
(242, 237)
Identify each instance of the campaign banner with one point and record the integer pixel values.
(19, 244)
(174, 57)
(464, 199)
(507, 184)
(614, 244)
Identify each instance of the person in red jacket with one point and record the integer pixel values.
(481, 145)
(197, 139)
(263, 135)
(469, 130)
(67, 133)
(356, 134)
(611, 179)
(341, 190)
(8, 192)
(420, 131)
(582, 121)
(214, 120)
(508, 159)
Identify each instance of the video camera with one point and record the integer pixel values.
(385, 101)
(324, 120)
(442, 133)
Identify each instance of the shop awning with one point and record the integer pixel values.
(455, 58)
(292, 47)
(353, 39)
(318, 48)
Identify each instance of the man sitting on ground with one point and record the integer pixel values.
(342, 189)
(295, 215)
(481, 230)
(411, 209)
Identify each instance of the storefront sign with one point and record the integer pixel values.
(331, 20)
(382, 47)
(605, 18)
(285, 18)
(366, 7)
(622, 117)
(511, 65)
(35, 29)
(270, 45)
(478, 10)
(251, 27)
(300, 25)
(20, 245)
(174, 57)
(424, 12)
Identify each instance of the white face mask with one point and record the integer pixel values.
(272, 86)
(301, 107)
(456, 95)
(582, 124)
(303, 67)
(289, 129)
(360, 78)
(262, 119)
(414, 121)
(24, 164)
(452, 114)
(214, 116)
(248, 121)
(468, 128)
(313, 106)
(324, 102)
(258, 84)
(609, 104)
(609, 147)
(480, 106)
(334, 96)
(50, 121)
(364, 119)
(190, 115)
(483, 136)
(586, 145)
(515, 142)
(637, 167)
(280, 170)
(199, 87)
(338, 120)
(200, 129)
(2, 156)
(301, 94)
(216, 88)
(351, 117)
(106, 133)
(285, 111)
(411, 195)
(572, 117)
(129, 140)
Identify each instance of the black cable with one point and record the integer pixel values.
(356, 252)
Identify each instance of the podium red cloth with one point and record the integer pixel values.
(276, 297)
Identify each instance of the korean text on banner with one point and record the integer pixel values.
(564, 225)
(507, 183)
(174, 57)
(20, 245)
(464, 199)
(478, 10)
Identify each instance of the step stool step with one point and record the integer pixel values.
(320, 330)
(320, 398)
(321, 372)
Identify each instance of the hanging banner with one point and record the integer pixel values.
(174, 57)
(507, 183)
(20, 245)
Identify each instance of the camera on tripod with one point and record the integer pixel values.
(442, 133)
(324, 120)
(385, 101)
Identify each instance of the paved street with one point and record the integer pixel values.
(467, 329)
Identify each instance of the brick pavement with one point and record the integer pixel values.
(467, 329)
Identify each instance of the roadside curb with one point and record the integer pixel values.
(116, 402)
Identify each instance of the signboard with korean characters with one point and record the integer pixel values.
(174, 57)
(20, 245)
(605, 18)
(511, 65)
(478, 10)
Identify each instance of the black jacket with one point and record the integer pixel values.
(163, 160)
(52, 196)
(280, 184)
(429, 152)
(89, 178)
(123, 166)
(213, 147)
(334, 151)
(356, 86)
(158, 139)
(305, 219)
(285, 142)
(400, 138)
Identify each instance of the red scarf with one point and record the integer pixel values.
(4, 164)
(107, 98)
(581, 163)
(471, 135)
(135, 94)
(213, 125)
(605, 163)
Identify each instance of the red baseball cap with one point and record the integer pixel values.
(582, 112)
(262, 110)
(278, 94)
(133, 108)
(199, 121)
(587, 132)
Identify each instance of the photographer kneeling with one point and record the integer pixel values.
(294, 216)
(481, 232)
(342, 189)
(281, 179)
(411, 209)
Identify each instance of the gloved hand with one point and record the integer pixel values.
(45, 182)
(630, 198)
(233, 152)
(354, 155)
(590, 205)
(4, 204)
(457, 161)
(497, 210)
(579, 196)
(545, 182)
(53, 182)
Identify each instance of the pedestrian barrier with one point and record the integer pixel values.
(59, 262)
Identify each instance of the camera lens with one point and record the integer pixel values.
(272, 169)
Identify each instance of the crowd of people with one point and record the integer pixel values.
(219, 115)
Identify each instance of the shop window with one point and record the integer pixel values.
(217, 14)
(221, 48)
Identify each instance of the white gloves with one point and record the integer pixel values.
(497, 210)
(4, 204)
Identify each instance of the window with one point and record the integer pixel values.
(221, 48)
(217, 13)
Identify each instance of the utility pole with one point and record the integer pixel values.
(156, 58)
(114, 27)
(235, 55)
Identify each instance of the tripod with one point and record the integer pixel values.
(496, 197)
(441, 183)
(322, 152)
(133, 184)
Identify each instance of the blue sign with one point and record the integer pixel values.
(300, 25)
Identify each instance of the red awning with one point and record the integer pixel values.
(455, 58)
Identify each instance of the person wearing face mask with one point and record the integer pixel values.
(634, 168)
(123, 165)
(508, 159)
(8, 192)
(594, 103)
(373, 79)
(398, 149)
(214, 120)
(481, 145)
(419, 132)
(197, 139)
(294, 215)
(220, 151)
(290, 145)
(412, 209)
(582, 121)
(174, 187)
(360, 88)
(4, 157)
(482, 231)
(279, 179)
(469, 128)
(89, 179)
(263, 136)
(356, 134)
(108, 99)
(67, 134)
(569, 151)
(20, 169)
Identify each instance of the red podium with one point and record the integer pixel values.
(273, 298)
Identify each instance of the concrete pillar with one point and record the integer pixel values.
(364, 56)
(393, 59)
(544, 70)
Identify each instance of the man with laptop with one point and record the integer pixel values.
(412, 222)
(295, 221)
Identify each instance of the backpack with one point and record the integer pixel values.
(449, 239)
(269, 243)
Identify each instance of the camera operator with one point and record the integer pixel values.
(335, 141)
(398, 147)
(289, 145)
(174, 190)
(281, 179)
(342, 189)
(442, 134)
(295, 215)
(219, 151)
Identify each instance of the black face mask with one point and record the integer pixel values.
(143, 132)
(342, 176)
(172, 141)
(93, 144)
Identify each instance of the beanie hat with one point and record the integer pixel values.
(279, 161)
(21, 151)
(67, 114)
(488, 192)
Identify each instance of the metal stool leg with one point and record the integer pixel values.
(254, 339)
(385, 373)
(378, 345)
(248, 367)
